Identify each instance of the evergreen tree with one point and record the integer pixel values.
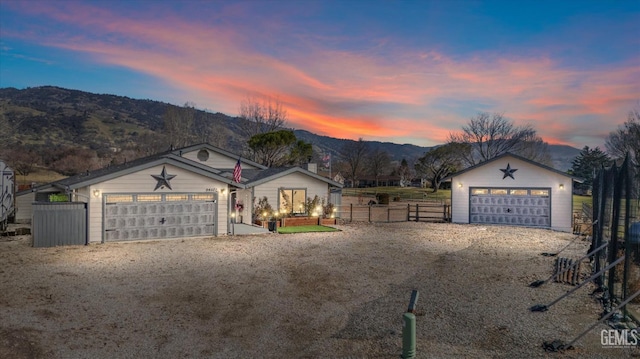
(586, 164)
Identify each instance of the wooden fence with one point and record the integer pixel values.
(426, 212)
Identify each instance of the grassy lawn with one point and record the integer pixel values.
(306, 229)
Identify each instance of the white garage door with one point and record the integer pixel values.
(152, 215)
(512, 206)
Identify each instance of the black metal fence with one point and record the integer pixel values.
(616, 225)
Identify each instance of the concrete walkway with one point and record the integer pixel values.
(237, 229)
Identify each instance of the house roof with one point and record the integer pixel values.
(107, 173)
(250, 177)
(509, 154)
(257, 177)
(219, 150)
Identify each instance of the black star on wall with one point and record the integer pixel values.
(508, 172)
(163, 179)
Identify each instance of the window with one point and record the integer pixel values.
(202, 197)
(149, 197)
(118, 198)
(292, 200)
(539, 192)
(477, 191)
(518, 192)
(203, 155)
(498, 191)
(176, 197)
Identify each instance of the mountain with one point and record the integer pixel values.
(50, 116)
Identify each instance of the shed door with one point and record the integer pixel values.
(152, 216)
(512, 206)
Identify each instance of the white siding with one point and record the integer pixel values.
(215, 160)
(271, 189)
(142, 182)
(24, 210)
(526, 176)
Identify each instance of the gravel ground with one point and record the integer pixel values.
(314, 295)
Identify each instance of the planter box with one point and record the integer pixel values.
(328, 221)
(299, 221)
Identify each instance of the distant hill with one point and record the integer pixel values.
(53, 116)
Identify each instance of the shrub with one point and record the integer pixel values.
(261, 208)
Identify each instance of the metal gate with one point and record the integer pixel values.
(152, 216)
(59, 224)
(511, 206)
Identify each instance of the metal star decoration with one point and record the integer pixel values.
(163, 179)
(508, 172)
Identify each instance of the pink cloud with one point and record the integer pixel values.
(348, 94)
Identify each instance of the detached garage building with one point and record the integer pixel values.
(513, 190)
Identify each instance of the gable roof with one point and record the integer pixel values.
(107, 173)
(509, 154)
(250, 177)
(233, 156)
(258, 177)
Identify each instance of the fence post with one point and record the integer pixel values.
(369, 213)
(351, 212)
(417, 213)
(408, 212)
(388, 214)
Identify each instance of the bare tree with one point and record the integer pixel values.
(626, 139)
(354, 154)
(178, 124)
(491, 135)
(379, 163)
(6, 130)
(405, 173)
(440, 162)
(262, 116)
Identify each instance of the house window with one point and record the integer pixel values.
(498, 191)
(203, 155)
(518, 192)
(479, 191)
(292, 200)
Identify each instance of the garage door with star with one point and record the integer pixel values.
(512, 206)
(158, 215)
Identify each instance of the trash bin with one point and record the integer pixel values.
(272, 226)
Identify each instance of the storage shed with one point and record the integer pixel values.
(512, 190)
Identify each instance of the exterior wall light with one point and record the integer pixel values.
(96, 193)
(561, 185)
(459, 184)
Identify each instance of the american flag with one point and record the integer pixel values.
(237, 172)
(327, 160)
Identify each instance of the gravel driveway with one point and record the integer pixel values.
(314, 295)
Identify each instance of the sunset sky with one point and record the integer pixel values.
(397, 71)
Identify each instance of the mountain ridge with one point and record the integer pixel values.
(103, 122)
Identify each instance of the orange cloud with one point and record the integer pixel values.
(391, 94)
